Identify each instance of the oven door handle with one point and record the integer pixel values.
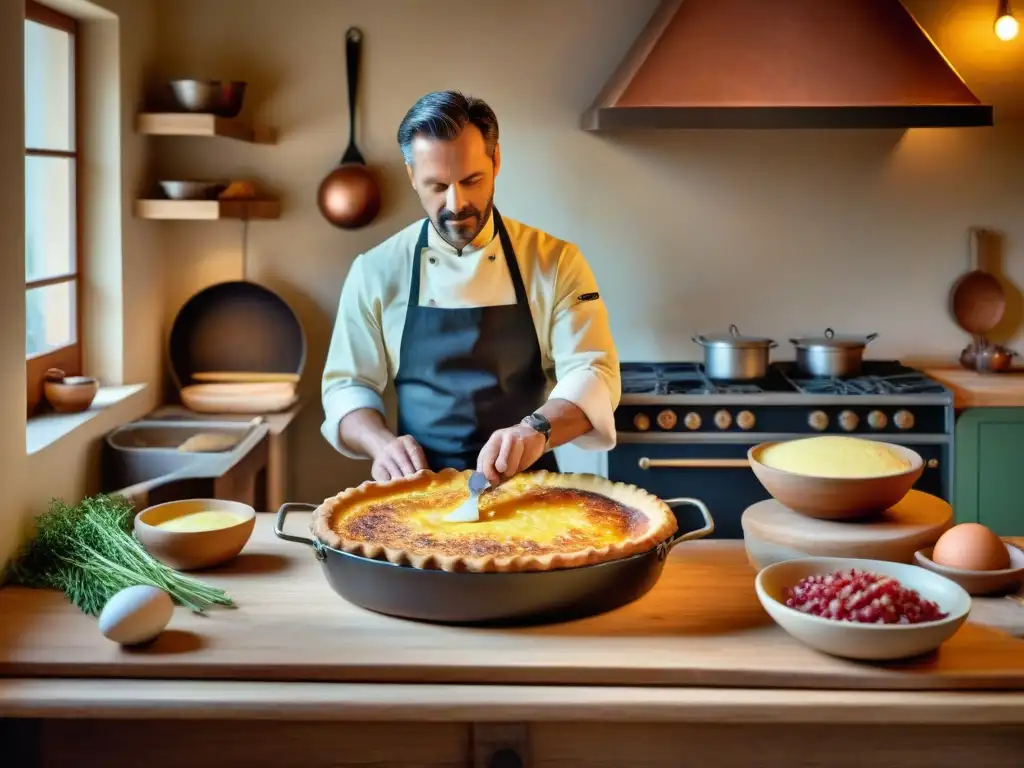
(646, 463)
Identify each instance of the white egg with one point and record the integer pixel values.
(136, 614)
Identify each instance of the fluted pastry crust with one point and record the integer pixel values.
(536, 521)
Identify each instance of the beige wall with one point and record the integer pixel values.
(124, 300)
(780, 232)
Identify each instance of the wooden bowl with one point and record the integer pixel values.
(979, 582)
(71, 394)
(837, 498)
(192, 550)
(868, 642)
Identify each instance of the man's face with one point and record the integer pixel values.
(455, 183)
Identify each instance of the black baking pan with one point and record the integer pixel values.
(498, 599)
(235, 326)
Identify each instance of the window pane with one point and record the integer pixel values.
(49, 217)
(49, 318)
(49, 88)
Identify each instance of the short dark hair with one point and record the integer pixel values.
(443, 115)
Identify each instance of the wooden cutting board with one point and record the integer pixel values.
(701, 625)
(776, 532)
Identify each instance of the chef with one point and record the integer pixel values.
(493, 333)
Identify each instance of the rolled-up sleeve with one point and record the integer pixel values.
(586, 363)
(356, 372)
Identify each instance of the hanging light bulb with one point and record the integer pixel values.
(1006, 26)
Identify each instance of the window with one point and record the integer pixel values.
(52, 257)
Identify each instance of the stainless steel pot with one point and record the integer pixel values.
(831, 355)
(735, 357)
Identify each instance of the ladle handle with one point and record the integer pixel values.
(353, 49)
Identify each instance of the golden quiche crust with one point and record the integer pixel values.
(535, 521)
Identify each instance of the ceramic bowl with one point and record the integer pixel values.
(192, 190)
(194, 550)
(979, 582)
(71, 394)
(867, 642)
(837, 498)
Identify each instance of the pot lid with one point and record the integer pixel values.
(734, 340)
(831, 339)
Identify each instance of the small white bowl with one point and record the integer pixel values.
(868, 642)
(979, 582)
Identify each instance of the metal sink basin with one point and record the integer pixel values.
(148, 449)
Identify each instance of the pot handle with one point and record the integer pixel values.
(700, 533)
(282, 513)
(700, 339)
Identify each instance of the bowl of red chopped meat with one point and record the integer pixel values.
(870, 610)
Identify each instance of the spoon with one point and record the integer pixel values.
(469, 510)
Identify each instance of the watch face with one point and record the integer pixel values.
(538, 423)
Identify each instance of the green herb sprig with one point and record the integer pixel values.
(88, 552)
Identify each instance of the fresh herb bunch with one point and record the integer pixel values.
(87, 552)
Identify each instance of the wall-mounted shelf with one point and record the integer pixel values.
(200, 124)
(207, 210)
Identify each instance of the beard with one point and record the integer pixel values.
(459, 229)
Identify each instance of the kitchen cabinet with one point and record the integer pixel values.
(988, 483)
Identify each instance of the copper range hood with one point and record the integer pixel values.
(784, 64)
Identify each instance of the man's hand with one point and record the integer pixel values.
(399, 457)
(508, 451)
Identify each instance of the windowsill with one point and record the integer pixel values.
(46, 429)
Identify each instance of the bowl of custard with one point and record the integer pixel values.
(192, 534)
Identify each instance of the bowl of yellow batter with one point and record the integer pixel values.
(836, 477)
(192, 534)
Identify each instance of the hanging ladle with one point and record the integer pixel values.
(349, 196)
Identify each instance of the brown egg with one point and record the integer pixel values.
(971, 547)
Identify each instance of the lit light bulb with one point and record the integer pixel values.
(1006, 27)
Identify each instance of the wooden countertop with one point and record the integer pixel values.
(978, 390)
(700, 626)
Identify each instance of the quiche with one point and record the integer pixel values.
(535, 521)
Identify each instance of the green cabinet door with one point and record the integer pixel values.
(988, 486)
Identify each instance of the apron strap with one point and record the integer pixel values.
(421, 245)
(510, 259)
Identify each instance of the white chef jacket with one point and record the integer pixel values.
(577, 350)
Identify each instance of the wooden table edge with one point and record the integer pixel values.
(61, 698)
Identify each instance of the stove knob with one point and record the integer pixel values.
(877, 420)
(667, 419)
(692, 421)
(848, 420)
(642, 422)
(903, 420)
(745, 420)
(723, 419)
(818, 420)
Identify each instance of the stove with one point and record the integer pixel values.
(878, 377)
(681, 433)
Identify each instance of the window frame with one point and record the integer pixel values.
(68, 358)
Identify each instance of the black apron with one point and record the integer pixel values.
(464, 373)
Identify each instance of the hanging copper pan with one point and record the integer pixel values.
(349, 196)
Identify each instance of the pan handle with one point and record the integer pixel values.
(700, 533)
(282, 513)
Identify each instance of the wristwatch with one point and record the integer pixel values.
(539, 423)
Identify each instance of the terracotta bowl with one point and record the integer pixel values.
(72, 394)
(837, 498)
(193, 550)
(979, 582)
(867, 642)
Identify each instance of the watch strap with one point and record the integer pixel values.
(539, 423)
